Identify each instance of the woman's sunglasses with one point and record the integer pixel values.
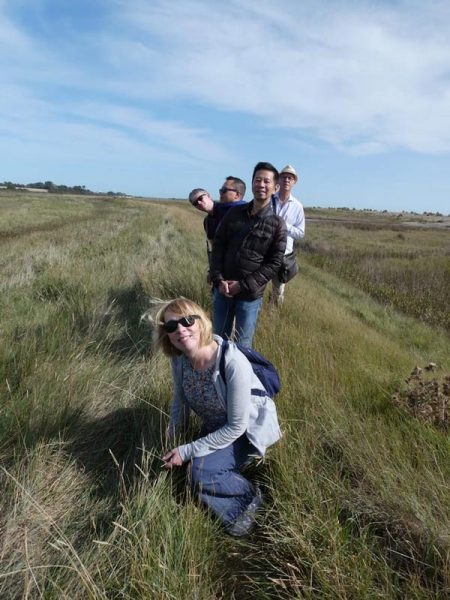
(187, 321)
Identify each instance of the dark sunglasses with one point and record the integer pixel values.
(197, 200)
(187, 321)
(224, 190)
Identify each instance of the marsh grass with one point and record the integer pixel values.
(357, 502)
(406, 268)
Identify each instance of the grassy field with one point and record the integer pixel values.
(358, 499)
(401, 260)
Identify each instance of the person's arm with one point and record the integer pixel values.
(218, 251)
(238, 374)
(296, 230)
(272, 261)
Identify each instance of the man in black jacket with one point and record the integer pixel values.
(247, 252)
(231, 194)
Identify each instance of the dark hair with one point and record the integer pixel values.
(238, 183)
(266, 166)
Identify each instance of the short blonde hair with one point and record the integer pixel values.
(183, 307)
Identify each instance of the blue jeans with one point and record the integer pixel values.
(219, 485)
(225, 310)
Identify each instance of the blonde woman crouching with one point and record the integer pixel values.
(236, 424)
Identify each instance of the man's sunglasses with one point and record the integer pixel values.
(198, 199)
(187, 321)
(224, 190)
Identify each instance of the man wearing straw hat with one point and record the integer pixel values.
(291, 210)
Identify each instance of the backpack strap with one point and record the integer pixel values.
(274, 204)
(222, 361)
(225, 344)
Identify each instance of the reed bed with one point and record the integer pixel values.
(399, 266)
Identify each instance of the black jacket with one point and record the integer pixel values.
(220, 209)
(248, 249)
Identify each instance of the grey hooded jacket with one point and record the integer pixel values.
(256, 416)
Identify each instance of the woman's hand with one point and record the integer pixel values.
(172, 459)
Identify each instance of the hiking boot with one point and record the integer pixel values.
(245, 521)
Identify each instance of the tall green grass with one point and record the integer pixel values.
(406, 268)
(357, 502)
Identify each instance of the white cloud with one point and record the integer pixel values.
(377, 72)
(156, 80)
(144, 129)
(90, 129)
(58, 105)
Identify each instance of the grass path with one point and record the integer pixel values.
(357, 490)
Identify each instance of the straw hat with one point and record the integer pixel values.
(290, 169)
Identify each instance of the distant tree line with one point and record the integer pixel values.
(53, 188)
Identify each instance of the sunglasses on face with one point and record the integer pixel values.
(187, 321)
(224, 190)
(198, 200)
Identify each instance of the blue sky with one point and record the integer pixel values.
(155, 97)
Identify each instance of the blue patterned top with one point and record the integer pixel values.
(201, 395)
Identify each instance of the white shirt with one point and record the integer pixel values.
(292, 212)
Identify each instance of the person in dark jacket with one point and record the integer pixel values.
(231, 193)
(247, 252)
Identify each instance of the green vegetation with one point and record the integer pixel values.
(357, 489)
(53, 188)
(399, 262)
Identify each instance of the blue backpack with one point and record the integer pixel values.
(263, 369)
